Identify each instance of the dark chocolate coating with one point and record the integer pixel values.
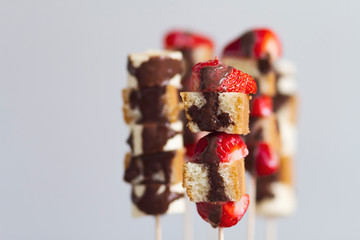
(207, 117)
(209, 157)
(157, 71)
(147, 165)
(153, 203)
(150, 103)
(154, 137)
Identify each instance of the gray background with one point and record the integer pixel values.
(62, 136)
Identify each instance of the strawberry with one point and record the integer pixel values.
(256, 43)
(225, 147)
(190, 149)
(216, 76)
(238, 81)
(266, 161)
(261, 106)
(223, 214)
(183, 39)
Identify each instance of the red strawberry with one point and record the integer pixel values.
(216, 76)
(261, 106)
(238, 81)
(223, 214)
(183, 39)
(266, 161)
(220, 147)
(255, 43)
(190, 149)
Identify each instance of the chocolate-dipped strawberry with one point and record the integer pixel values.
(219, 100)
(215, 179)
(255, 52)
(223, 214)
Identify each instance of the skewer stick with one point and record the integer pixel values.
(252, 208)
(157, 228)
(221, 233)
(188, 221)
(271, 229)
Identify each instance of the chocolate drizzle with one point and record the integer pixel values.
(247, 42)
(189, 63)
(210, 158)
(157, 71)
(215, 215)
(208, 117)
(150, 103)
(263, 186)
(212, 76)
(280, 100)
(155, 138)
(189, 137)
(154, 202)
(148, 165)
(264, 64)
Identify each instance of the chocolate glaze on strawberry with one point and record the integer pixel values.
(157, 71)
(254, 44)
(148, 165)
(216, 76)
(152, 202)
(154, 137)
(215, 215)
(212, 76)
(210, 158)
(207, 117)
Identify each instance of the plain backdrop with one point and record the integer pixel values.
(62, 136)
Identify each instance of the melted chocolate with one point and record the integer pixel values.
(152, 202)
(264, 64)
(150, 103)
(250, 158)
(189, 63)
(210, 158)
(155, 138)
(263, 187)
(157, 71)
(247, 43)
(207, 117)
(215, 215)
(279, 100)
(212, 76)
(189, 137)
(148, 165)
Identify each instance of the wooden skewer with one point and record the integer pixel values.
(188, 221)
(157, 227)
(252, 208)
(271, 229)
(221, 233)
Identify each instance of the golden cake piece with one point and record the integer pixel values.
(217, 171)
(151, 104)
(217, 111)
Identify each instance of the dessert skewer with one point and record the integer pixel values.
(273, 114)
(215, 177)
(254, 52)
(195, 48)
(151, 109)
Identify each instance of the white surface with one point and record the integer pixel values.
(62, 137)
